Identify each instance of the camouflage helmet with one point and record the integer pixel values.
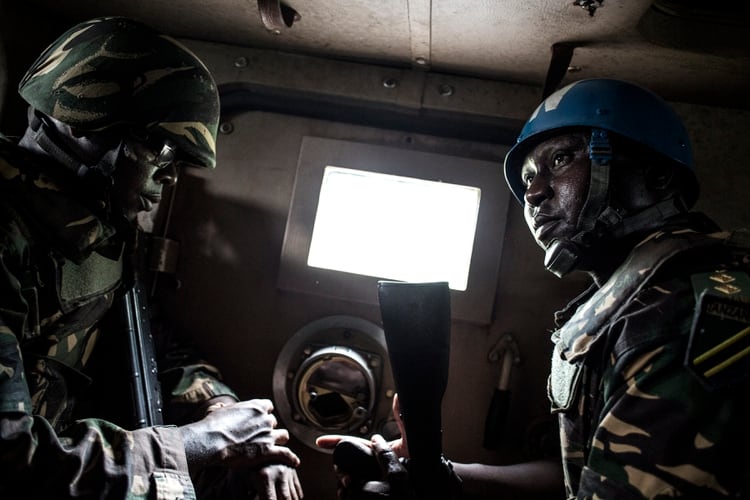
(113, 71)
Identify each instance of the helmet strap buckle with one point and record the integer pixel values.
(600, 150)
(600, 154)
(561, 257)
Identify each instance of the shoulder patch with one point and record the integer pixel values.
(719, 346)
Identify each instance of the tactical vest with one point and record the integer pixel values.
(716, 344)
(64, 300)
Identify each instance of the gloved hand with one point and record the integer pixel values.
(368, 469)
(243, 435)
(354, 459)
(377, 469)
(375, 472)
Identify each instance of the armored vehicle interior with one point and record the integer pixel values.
(423, 90)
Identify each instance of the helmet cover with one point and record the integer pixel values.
(113, 71)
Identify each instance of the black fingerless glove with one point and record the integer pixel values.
(388, 478)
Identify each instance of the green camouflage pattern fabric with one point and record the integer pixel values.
(114, 71)
(634, 422)
(46, 340)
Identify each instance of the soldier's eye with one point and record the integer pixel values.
(561, 158)
(527, 179)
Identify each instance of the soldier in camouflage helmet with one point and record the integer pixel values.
(650, 367)
(116, 110)
(106, 75)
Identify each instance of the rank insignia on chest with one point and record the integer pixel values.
(719, 347)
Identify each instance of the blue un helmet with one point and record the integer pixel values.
(606, 108)
(611, 105)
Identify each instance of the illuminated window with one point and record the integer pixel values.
(362, 212)
(394, 227)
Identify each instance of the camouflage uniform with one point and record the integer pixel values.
(61, 264)
(634, 421)
(60, 270)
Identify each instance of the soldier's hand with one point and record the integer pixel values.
(241, 434)
(276, 482)
(394, 484)
(356, 463)
(366, 469)
(398, 445)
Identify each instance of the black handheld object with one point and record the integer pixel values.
(357, 460)
(416, 322)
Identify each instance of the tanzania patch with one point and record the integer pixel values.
(719, 348)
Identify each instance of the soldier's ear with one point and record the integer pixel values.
(659, 176)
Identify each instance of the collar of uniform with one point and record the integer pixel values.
(59, 219)
(70, 225)
(588, 323)
(563, 315)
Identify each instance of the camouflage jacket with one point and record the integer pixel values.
(60, 271)
(635, 421)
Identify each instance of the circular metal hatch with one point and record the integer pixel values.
(333, 377)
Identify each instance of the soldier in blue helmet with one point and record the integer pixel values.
(116, 110)
(640, 124)
(650, 367)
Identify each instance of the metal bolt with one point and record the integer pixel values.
(240, 62)
(390, 83)
(589, 5)
(420, 61)
(446, 90)
(226, 128)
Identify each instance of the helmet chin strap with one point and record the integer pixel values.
(563, 255)
(41, 135)
(598, 219)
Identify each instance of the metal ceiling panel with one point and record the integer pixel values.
(683, 55)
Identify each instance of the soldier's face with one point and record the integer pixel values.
(142, 172)
(556, 174)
